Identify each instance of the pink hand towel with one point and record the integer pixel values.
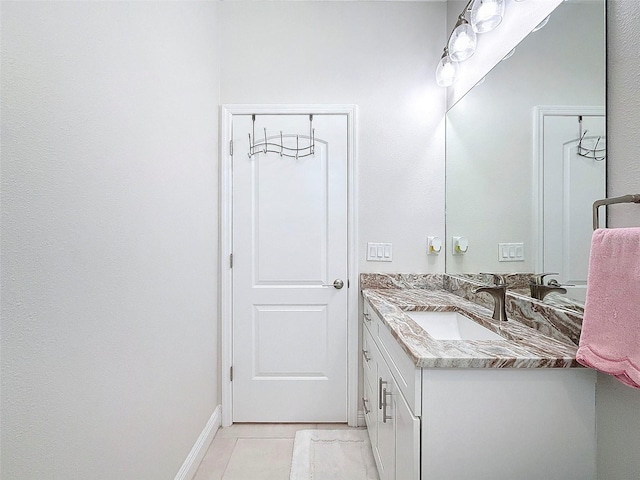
(610, 338)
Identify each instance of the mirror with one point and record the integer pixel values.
(516, 187)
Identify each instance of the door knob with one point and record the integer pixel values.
(337, 284)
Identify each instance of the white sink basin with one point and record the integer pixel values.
(452, 326)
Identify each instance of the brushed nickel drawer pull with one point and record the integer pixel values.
(384, 406)
(364, 404)
(366, 357)
(380, 383)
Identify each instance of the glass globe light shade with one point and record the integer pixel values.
(486, 15)
(446, 72)
(463, 41)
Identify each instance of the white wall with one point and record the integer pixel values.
(490, 134)
(618, 406)
(380, 56)
(109, 237)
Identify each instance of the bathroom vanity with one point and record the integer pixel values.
(501, 401)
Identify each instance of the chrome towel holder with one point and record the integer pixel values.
(267, 146)
(608, 201)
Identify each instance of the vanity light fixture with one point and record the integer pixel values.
(486, 15)
(447, 70)
(463, 40)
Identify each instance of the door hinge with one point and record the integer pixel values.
(231, 147)
(348, 283)
(231, 374)
(231, 261)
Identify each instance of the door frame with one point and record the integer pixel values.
(539, 113)
(227, 112)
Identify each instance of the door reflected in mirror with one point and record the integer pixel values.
(515, 171)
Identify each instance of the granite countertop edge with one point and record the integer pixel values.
(521, 346)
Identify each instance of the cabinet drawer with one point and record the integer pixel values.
(368, 361)
(369, 408)
(368, 319)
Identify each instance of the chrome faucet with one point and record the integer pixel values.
(498, 292)
(539, 290)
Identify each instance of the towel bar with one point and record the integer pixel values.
(608, 201)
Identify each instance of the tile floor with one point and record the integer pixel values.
(253, 451)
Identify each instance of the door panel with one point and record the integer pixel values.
(305, 342)
(289, 245)
(290, 218)
(571, 184)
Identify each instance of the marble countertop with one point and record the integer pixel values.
(521, 347)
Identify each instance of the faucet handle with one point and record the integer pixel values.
(491, 288)
(554, 283)
(499, 278)
(538, 278)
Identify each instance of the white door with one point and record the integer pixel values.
(289, 247)
(571, 184)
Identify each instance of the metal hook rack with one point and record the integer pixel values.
(267, 146)
(595, 153)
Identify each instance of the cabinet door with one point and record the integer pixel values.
(386, 427)
(407, 439)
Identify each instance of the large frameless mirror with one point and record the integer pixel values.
(526, 155)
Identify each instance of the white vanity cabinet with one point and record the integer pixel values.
(394, 427)
(474, 423)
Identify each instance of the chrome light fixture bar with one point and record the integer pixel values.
(485, 15)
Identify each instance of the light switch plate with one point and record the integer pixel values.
(511, 252)
(379, 252)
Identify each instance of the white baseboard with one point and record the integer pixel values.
(192, 462)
